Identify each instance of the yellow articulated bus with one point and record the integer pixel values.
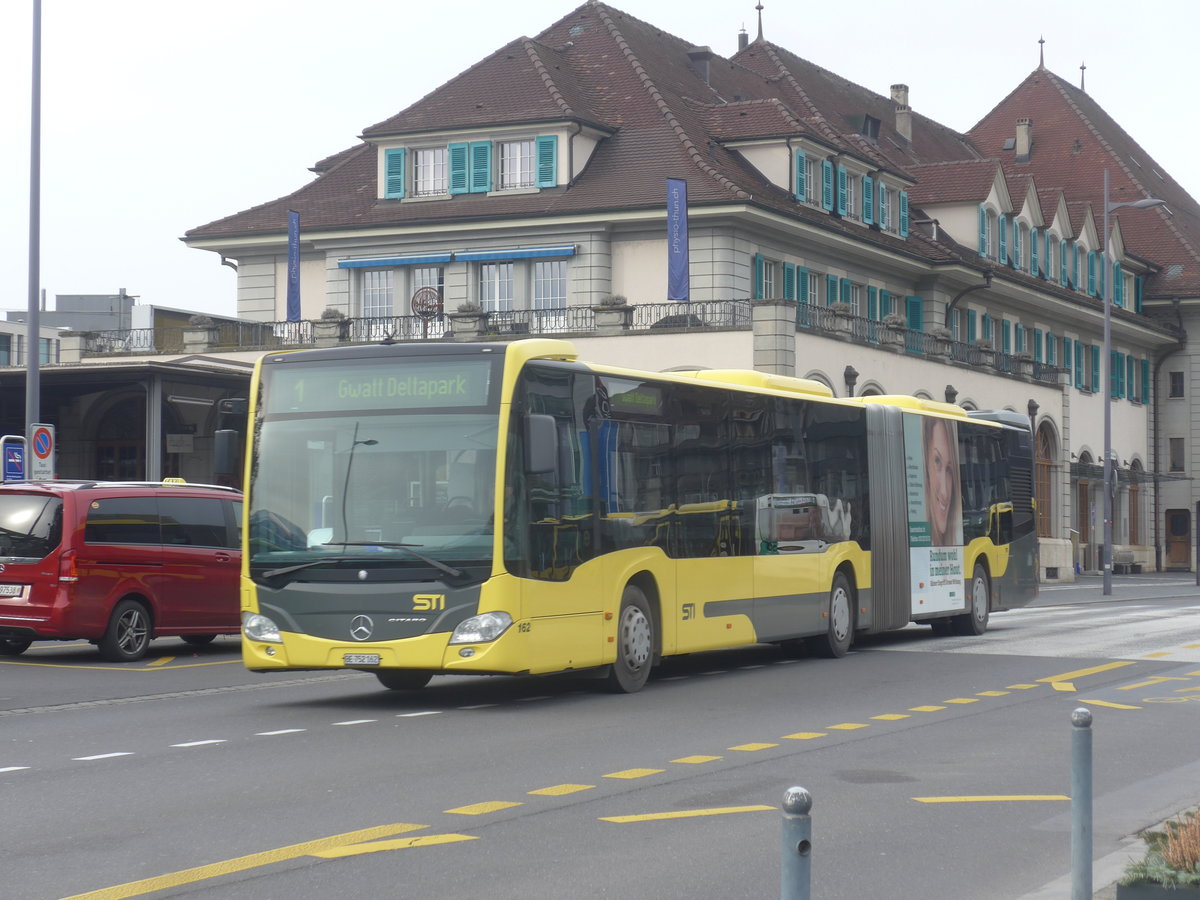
(440, 508)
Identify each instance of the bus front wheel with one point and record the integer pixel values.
(975, 619)
(635, 643)
(835, 642)
(403, 679)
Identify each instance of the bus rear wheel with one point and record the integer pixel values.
(403, 679)
(975, 619)
(835, 642)
(635, 643)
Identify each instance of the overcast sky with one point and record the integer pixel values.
(159, 116)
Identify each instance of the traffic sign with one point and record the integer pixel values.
(12, 452)
(41, 460)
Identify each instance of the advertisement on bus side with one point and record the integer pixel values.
(935, 532)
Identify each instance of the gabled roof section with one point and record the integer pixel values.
(965, 181)
(523, 82)
(833, 107)
(751, 119)
(1074, 141)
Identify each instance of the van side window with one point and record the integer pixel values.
(193, 521)
(123, 520)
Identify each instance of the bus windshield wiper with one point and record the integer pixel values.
(428, 560)
(287, 570)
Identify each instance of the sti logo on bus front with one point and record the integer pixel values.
(426, 602)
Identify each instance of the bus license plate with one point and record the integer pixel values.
(360, 659)
(10, 590)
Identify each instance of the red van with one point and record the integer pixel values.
(117, 563)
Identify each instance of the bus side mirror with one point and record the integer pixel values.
(225, 453)
(541, 444)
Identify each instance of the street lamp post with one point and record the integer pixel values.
(1106, 300)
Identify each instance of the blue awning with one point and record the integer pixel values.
(386, 262)
(522, 253)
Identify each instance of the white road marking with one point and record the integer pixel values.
(200, 743)
(103, 756)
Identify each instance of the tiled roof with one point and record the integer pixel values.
(953, 182)
(1074, 141)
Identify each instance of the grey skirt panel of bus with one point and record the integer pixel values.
(890, 571)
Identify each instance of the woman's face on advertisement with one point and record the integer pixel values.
(939, 469)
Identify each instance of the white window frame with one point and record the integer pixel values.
(853, 210)
(516, 164)
(495, 281)
(812, 180)
(770, 269)
(431, 171)
(377, 293)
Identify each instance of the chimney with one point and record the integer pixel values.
(700, 57)
(903, 111)
(1024, 138)
(743, 40)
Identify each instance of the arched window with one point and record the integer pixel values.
(1043, 480)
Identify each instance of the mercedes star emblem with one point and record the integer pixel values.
(361, 627)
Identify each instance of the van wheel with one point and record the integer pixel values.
(403, 679)
(11, 646)
(127, 637)
(199, 640)
(835, 642)
(635, 643)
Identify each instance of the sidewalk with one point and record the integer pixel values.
(1107, 870)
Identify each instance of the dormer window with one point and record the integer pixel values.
(516, 165)
(430, 172)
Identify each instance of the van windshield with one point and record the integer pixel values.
(30, 525)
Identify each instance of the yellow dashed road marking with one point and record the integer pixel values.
(1081, 673)
(993, 693)
(961, 700)
(925, 708)
(561, 790)
(634, 773)
(696, 760)
(429, 840)
(1021, 687)
(1063, 687)
(482, 809)
(847, 726)
(805, 735)
(1108, 704)
(751, 748)
(998, 798)
(687, 814)
(891, 717)
(1157, 679)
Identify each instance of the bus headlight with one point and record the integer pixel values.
(481, 629)
(260, 628)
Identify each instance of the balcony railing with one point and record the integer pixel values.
(571, 320)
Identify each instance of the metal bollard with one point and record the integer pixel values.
(1081, 804)
(796, 874)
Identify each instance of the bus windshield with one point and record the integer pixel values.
(387, 479)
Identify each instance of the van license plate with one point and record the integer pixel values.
(11, 590)
(360, 659)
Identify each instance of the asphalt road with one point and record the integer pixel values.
(938, 767)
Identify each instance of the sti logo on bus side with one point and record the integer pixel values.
(427, 602)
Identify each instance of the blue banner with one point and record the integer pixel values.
(293, 267)
(677, 240)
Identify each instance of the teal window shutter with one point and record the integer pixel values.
(802, 284)
(826, 185)
(1145, 381)
(1066, 353)
(1051, 348)
(1130, 376)
(882, 213)
(547, 160)
(1138, 286)
(789, 281)
(1078, 364)
(915, 311)
(1091, 284)
(759, 264)
(459, 155)
(1033, 251)
(1118, 286)
(1005, 336)
(971, 316)
(393, 173)
(885, 303)
(1117, 375)
(1075, 266)
(1016, 242)
(904, 214)
(987, 327)
(983, 248)
(1037, 345)
(873, 303)
(1095, 367)
(481, 167)
(1047, 274)
(1003, 239)
(868, 199)
(831, 290)
(1062, 262)
(801, 175)
(844, 290)
(841, 190)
